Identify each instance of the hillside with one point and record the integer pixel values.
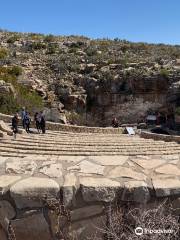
(87, 81)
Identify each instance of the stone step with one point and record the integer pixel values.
(125, 153)
(18, 144)
(58, 151)
(83, 144)
(77, 137)
(89, 149)
(112, 140)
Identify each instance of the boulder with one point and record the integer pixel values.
(54, 115)
(5, 128)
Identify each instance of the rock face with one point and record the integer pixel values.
(94, 80)
(6, 88)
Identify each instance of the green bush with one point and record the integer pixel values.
(8, 104)
(51, 49)
(13, 39)
(164, 73)
(38, 45)
(36, 36)
(31, 100)
(49, 38)
(15, 70)
(91, 51)
(3, 53)
(24, 97)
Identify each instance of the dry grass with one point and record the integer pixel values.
(124, 220)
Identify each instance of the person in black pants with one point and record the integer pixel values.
(15, 121)
(27, 120)
(37, 120)
(43, 124)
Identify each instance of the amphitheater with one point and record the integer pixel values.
(81, 171)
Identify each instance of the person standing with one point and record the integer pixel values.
(15, 121)
(43, 123)
(37, 120)
(27, 121)
(23, 114)
(115, 123)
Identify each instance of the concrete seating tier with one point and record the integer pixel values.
(64, 143)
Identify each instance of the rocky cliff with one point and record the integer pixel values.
(89, 81)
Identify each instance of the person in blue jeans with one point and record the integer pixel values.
(27, 121)
(23, 114)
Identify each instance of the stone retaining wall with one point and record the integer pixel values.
(155, 136)
(41, 195)
(71, 128)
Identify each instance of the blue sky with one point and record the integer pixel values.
(155, 21)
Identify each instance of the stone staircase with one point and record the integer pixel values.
(83, 144)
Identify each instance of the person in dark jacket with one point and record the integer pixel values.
(15, 121)
(115, 123)
(43, 123)
(37, 120)
(27, 121)
(23, 114)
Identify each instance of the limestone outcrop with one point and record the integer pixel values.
(93, 80)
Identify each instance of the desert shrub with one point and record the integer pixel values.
(23, 96)
(38, 45)
(49, 38)
(31, 100)
(15, 70)
(36, 36)
(13, 38)
(51, 49)
(3, 53)
(8, 104)
(123, 220)
(164, 73)
(90, 51)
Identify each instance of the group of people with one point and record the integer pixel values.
(39, 120)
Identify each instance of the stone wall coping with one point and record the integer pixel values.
(163, 137)
(135, 179)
